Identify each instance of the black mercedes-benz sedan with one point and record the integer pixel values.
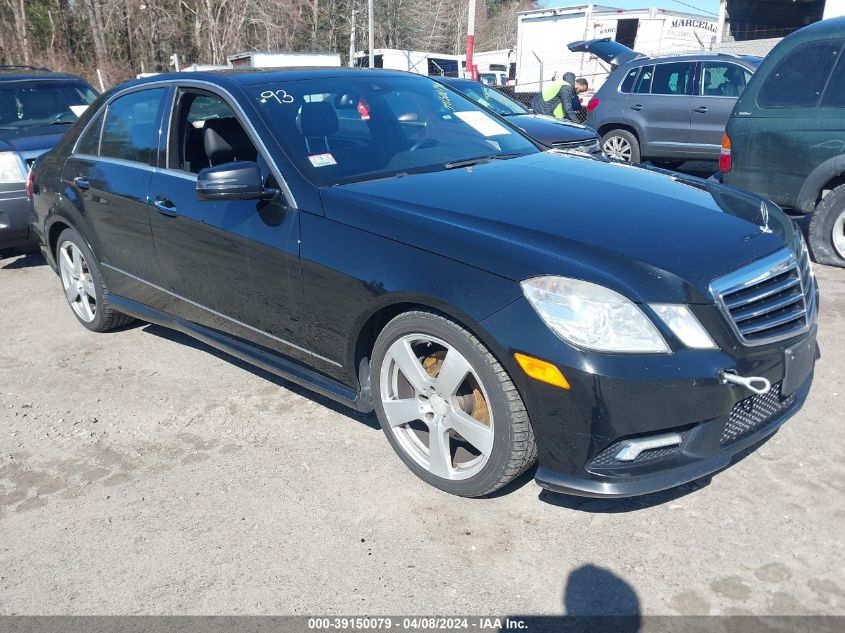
(382, 240)
(557, 133)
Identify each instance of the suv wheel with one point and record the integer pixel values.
(621, 145)
(83, 284)
(827, 229)
(447, 406)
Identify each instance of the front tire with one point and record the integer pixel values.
(83, 284)
(621, 145)
(447, 407)
(827, 229)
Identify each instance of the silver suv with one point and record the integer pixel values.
(667, 109)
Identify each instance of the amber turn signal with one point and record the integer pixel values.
(541, 370)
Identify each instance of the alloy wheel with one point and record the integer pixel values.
(436, 407)
(838, 235)
(77, 281)
(617, 148)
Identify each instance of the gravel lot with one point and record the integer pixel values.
(142, 472)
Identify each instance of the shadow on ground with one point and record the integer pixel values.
(24, 261)
(595, 599)
(183, 339)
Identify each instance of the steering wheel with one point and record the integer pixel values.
(424, 143)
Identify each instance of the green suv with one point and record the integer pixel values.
(785, 138)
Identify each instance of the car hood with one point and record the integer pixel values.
(31, 139)
(643, 232)
(549, 130)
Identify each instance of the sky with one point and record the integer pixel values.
(703, 6)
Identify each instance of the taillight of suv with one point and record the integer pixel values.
(725, 155)
(592, 104)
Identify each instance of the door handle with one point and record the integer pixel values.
(165, 207)
(81, 182)
(637, 107)
(702, 109)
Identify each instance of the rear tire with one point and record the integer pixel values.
(457, 391)
(621, 145)
(83, 284)
(827, 229)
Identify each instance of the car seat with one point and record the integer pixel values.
(318, 121)
(225, 141)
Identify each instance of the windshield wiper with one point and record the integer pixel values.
(469, 162)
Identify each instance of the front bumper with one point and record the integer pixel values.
(615, 398)
(14, 212)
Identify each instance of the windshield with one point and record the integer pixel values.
(492, 99)
(31, 103)
(340, 130)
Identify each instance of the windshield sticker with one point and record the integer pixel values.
(443, 97)
(279, 96)
(482, 123)
(322, 160)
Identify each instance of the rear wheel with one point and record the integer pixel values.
(621, 145)
(83, 284)
(448, 407)
(827, 229)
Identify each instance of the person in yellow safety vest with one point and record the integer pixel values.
(556, 99)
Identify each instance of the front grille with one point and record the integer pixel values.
(589, 146)
(752, 414)
(769, 300)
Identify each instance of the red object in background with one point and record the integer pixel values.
(473, 69)
(363, 109)
(592, 104)
(725, 155)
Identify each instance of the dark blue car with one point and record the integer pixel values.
(384, 241)
(36, 108)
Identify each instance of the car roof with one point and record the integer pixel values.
(22, 73)
(695, 57)
(831, 27)
(258, 76)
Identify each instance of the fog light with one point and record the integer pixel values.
(541, 370)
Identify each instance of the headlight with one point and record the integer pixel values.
(684, 325)
(10, 168)
(592, 316)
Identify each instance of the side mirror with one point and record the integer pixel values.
(239, 180)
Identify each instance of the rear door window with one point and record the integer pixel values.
(672, 79)
(722, 79)
(834, 95)
(89, 143)
(800, 77)
(130, 131)
(643, 84)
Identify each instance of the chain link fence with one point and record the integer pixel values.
(525, 99)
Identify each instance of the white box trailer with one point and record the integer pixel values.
(418, 62)
(543, 34)
(255, 59)
(493, 66)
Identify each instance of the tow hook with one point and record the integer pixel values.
(755, 384)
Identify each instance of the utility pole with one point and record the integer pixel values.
(352, 35)
(471, 40)
(370, 27)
